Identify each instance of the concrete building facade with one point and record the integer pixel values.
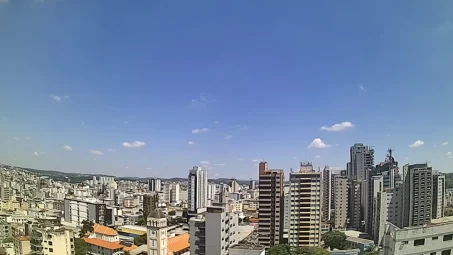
(76, 211)
(271, 202)
(438, 210)
(305, 215)
(197, 190)
(361, 159)
(417, 195)
(341, 198)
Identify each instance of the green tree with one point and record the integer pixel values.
(141, 221)
(139, 240)
(334, 240)
(172, 213)
(87, 227)
(370, 250)
(284, 249)
(81, 247)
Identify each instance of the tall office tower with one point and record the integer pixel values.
(154, 185)
(417, 194)
(252, 184)
(438, 196)
(374, 185)
(356, 193)
(150, 203)
(389, 208)
(340, 198)
(270, 211)
(305, 217)
(213, 233)
(388, 169)
(198, 190)
(234, 186)
(326, 193)
(362, 158)
(157, 233)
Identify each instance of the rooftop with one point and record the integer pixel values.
(23, 238)
(103, 244)
(100, 229)
(179, 243)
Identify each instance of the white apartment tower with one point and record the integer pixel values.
(326, 193)
(157, 233)
(305, 216)
(361, 159)
(154, 185)
(198, 190)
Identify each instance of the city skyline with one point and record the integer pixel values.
(119, 91)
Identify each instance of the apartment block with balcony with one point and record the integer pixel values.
(50, 240)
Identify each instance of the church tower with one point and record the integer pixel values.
(157, 233)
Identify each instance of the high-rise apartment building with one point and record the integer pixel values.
(389, 208)
(361, 159)
(198, 190)
(171, 192)
(374, 185)
(356, 194)
(150, 203)
(154, 185)
(417, 195)
(252, 184)
(214, 233)
(46, 240)
(340, 198)
(234, 185)
(326, 193)
(438, 196)
(270, 210)
(78, 210)
(305, 216)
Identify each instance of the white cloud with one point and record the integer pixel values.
(126, 122)
(228, 137)
(134, 144)
(67, 148)
(317, 156)
(111, 150)
(345, 125)
(449, 153)
(318, 143)
(444, 143)
(3, 1)
(221, 164)
(36, 153)
(191, 143)
(204, 162)
(199, 131)
(96, 152)
(417, 143)
(56, 98)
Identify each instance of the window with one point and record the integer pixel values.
(448, 237)
(419, 242)
(432, 253)
(446, 252)
(50, 250)
(435, 238)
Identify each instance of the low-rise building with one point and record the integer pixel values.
(22, 245)
(52, 240)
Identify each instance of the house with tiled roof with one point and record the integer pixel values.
(179, 245)
(104, 233)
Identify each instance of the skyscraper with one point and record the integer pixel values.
(270, 210)
(198, 190)
(154, 185)
(356, 211)
(438, 196)
(417, 195)
(305, 216)
(361, 159)
(326, 193)
(340, 199)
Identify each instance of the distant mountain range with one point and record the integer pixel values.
(78, 177)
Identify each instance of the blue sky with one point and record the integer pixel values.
(135, 80)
